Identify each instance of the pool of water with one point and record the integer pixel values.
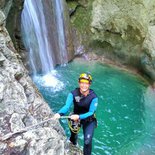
(125, 110)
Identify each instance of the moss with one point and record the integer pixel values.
(81, 18)
(81, 21)
(72, 5)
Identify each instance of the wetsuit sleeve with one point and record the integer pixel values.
(92, 109)
(68, 104)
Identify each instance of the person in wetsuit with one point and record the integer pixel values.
(85, 103)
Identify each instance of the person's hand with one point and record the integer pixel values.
(75, 117)
(57, 116)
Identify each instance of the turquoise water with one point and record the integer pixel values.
(123, 126)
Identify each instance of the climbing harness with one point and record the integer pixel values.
(9, 135)
(74, 125)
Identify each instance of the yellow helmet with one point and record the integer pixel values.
(85, 77)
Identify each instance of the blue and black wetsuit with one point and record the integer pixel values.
(85, 107)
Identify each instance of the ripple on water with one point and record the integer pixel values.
(125, 118)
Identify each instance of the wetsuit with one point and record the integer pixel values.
(85, 107)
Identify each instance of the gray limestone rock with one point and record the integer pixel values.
(121, 31)
(22, 108)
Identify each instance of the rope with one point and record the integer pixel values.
(74, 126)
(9, 135)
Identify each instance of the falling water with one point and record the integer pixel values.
(59, 11)
(43, 34)
(44, 39)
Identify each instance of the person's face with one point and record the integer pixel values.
(84, 86)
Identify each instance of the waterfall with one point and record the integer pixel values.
(61, 35)
(43, 34)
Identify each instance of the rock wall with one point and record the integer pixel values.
(5, 5)
(80, 19)
(13, 25)
(12, 10)
(120, 30)
(22, 105)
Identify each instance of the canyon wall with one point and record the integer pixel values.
(21, 105)
(119, 30)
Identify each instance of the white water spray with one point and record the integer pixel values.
(49, 81)
(44, 39)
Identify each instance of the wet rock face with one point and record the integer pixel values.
(128, 28)
(21, 105)
(4, 5)
(119, 30)
(12, 10)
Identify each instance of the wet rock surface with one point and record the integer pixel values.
(22, 106)
(119, 31)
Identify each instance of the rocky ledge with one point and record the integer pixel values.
(21, 106)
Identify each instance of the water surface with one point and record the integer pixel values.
(124, 117)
